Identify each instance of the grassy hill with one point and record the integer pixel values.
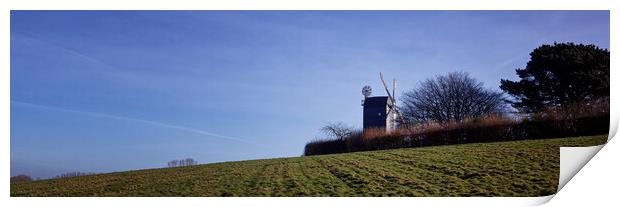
(519, 168)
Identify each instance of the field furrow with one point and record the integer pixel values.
(517, 168)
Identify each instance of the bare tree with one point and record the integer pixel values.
(173, 163)
(74, 174)
(182, 163)
(452, 97)
(337, 130)
(190, 162)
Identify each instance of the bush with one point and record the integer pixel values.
(20, 178)
(492, 128)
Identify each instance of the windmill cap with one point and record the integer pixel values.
(379, 101)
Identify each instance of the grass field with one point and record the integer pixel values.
(519, 168)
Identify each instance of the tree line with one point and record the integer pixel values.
(74, 174)
(182, 162)
(174, 163)
(27, 178)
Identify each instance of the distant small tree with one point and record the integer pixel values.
(20, 178)
(190, 162)
(173, 163)
(338, 130)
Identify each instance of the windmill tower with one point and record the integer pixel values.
(380, 111)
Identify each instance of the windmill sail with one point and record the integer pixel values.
(392, 103)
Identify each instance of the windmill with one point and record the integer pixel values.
(380, 111)
(392, 108)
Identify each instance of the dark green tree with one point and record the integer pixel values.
(558, 75)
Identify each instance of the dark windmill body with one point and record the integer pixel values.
(380, 111)
(377, 114)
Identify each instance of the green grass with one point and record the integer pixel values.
(519, 168)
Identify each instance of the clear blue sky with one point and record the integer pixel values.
(102, 91)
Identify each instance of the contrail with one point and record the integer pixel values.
(154, 123)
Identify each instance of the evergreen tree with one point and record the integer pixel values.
(559, 75)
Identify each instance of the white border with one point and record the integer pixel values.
(8, 5)
(596, 184)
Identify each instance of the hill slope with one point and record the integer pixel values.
(519, 168)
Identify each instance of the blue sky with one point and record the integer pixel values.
(102, 91)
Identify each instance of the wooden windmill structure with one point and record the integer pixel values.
(381, 111)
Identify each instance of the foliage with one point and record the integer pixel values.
(596, 107)
(558, 75)
(518, 168)
(492, 128)
(452, 97)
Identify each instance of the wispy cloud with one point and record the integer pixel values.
(153, 123)
(95, 66)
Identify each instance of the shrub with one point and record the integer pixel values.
(20, 178)
(591, 120)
